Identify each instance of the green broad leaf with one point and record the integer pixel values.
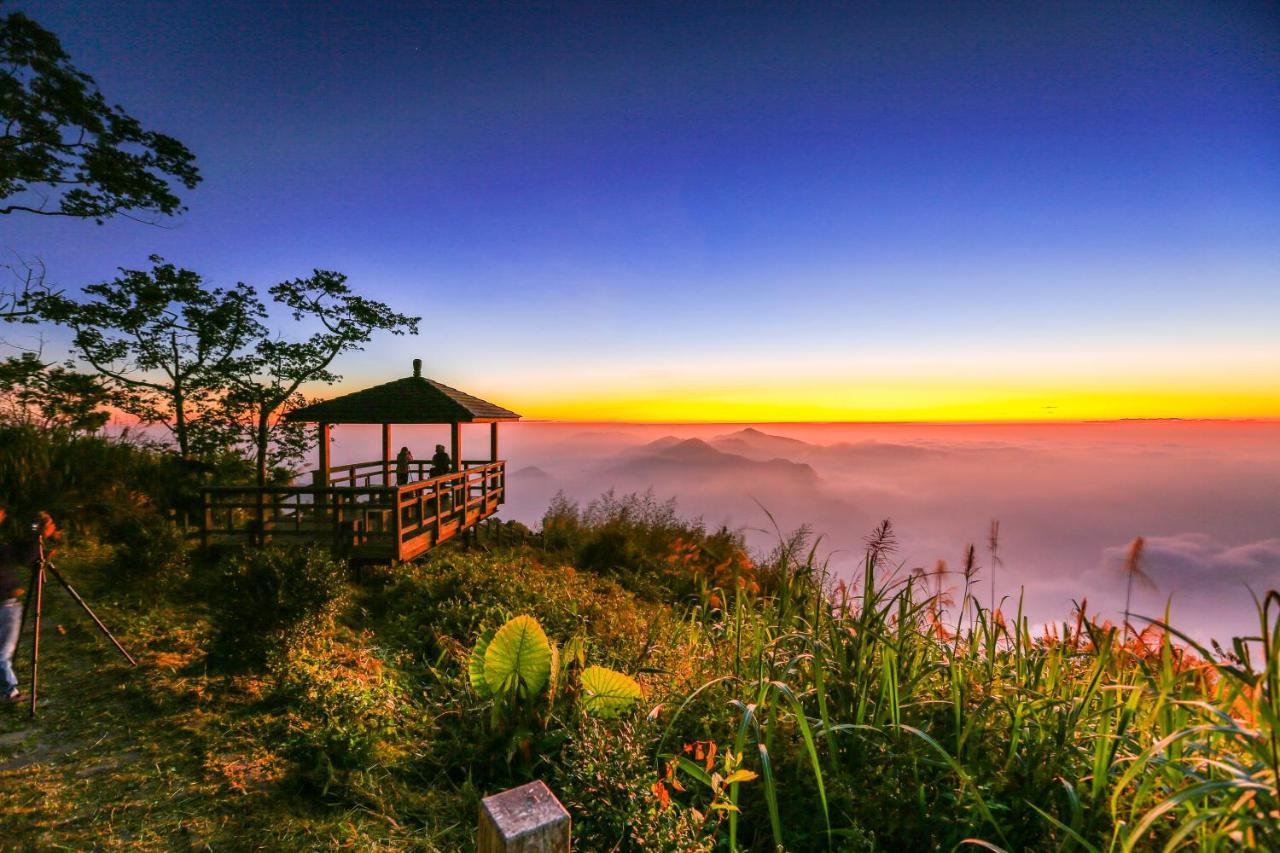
(475, 666)
(518, 658)
(606, 692)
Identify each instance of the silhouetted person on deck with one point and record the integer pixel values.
(403, 458)
(440, 462)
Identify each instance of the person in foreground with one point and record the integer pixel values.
(18, 557)
(11, 592)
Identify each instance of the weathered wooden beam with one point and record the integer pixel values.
(493, 442)
(528, 819)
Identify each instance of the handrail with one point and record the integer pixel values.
(408, 519)
(346, 476)
(304, 490)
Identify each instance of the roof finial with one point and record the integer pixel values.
(417, 367)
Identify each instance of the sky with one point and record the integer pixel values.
(733, 212)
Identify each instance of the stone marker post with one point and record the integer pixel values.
(528, 819)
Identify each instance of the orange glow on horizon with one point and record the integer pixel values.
(1094, 386)
(907, 401)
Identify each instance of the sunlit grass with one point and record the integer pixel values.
(943, 724)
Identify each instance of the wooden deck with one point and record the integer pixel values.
(361, 508)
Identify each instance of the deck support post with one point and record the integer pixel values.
(321, 479)
(493, 442)
(459, 499)
(322, 448)
(386, 454)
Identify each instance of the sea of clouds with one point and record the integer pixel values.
(1069, 498)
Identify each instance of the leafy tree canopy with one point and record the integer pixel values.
(50, 396)
(269, 380)
(65, 151)
(164, 339)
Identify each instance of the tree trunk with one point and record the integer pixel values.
(180, 423)
(262, 439)
(261, 434)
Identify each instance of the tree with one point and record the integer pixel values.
(65, 151)
(165, 341)
(270, 380)
(21, 294)
(232, 427)
(38, 394)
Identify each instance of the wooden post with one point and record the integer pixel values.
(455, 438)
(528, 819)
(386, 454)
(324, 455)
(321, 480)
(493, 442)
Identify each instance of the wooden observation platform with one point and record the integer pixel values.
(365, 506)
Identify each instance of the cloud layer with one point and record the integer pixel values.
(1069, 498)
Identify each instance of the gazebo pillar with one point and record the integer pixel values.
(493, 441)
(386, 454)
(322, 463)
(455, 438)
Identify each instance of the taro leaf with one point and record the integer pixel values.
(518, 658)
(475, 665)
(606, 692)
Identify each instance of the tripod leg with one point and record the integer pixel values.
(35, 638)
(103, 628)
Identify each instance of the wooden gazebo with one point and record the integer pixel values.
(364, 505)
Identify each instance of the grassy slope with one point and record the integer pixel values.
(369, 735)
(166, 755)
(170, 755)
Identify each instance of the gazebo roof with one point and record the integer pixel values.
(412, 400)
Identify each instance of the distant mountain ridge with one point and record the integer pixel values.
(756, 444)
(692, 456)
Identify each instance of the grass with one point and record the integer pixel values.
(781, 710)
(170, 755)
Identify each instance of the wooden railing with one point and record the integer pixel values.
(441, 506)
(357, 515)
(356, 510)
(366, 474)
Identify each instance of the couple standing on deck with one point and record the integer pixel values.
(440, 464)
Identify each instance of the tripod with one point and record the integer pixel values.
(37, 592)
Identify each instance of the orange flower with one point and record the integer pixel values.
(660, 791)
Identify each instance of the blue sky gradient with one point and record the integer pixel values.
(667, 196)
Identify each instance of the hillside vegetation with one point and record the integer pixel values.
(280, 704)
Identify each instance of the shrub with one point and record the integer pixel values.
(342, 713)
(644, 544)
(607, 781)
(267, 601)
(450, 597)
(149, 547)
